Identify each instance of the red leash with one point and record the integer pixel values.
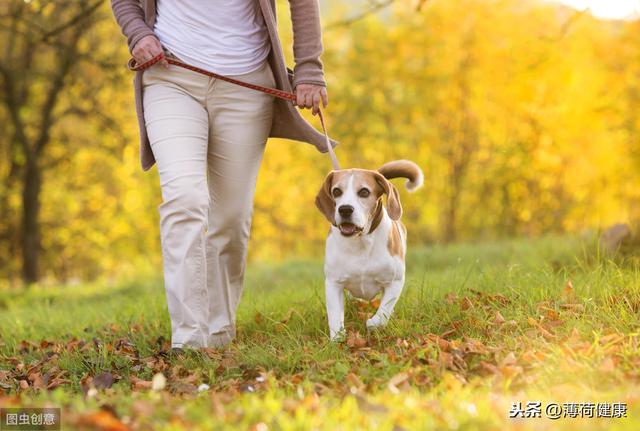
(132, 65)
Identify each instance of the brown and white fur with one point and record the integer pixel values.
(367, 242)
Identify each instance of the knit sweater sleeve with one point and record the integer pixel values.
(130, 17)
(307, 42)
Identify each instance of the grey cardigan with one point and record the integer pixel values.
(136, 18)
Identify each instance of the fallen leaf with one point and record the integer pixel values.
(510, 371)
(355, 340)
(297, 378)
(474, 346)
(103, 380)
(228, 362)
(443, 344)
(183, 388)
(448, 333)
(354, 381)
(573, 307)
(396, 380)
(498, 319)
(54, 383)
(568, 291)
(510, 359)
(102, 421)
(139, 384)
(37, 381)
(465, 303)
(488, 367)
(375, 302)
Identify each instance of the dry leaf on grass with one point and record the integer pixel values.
(567, 291)
(577, 308)
(510, 359)
(396, 380)
(102, 421)
(354, 381)
(139, 384)
(103, 380)
(465, 303)
(355, 340)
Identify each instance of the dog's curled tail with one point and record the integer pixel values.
(403, 169)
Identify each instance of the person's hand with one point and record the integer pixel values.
(310, 96)
(147, 48)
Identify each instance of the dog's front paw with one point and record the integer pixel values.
(377, 321)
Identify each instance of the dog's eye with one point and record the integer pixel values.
(364, 193)
(336, 192)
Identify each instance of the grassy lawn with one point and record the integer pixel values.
(478, 328)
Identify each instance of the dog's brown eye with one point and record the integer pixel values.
(337, 193)
(364, 193)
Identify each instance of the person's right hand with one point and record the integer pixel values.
(147, 48)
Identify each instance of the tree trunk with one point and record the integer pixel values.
(30, 239)
(451, 212)
(450, 233)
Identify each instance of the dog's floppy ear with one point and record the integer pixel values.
(324, 199)
(394, 207)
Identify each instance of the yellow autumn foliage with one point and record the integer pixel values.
(523, 115)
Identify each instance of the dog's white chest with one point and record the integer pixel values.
(363, 266)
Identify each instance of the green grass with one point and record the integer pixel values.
(447, 360)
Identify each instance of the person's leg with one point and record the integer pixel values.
(240, 120)
(177, 124)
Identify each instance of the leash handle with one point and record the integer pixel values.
(133, 66)
(327, 142)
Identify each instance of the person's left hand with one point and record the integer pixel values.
(310, 96)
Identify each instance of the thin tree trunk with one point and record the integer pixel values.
(451, 214)
(450, 233)
(30, 225)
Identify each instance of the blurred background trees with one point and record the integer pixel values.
(522, 113)
(64, 110)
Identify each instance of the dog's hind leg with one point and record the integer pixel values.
(387, 303)
(335, 308)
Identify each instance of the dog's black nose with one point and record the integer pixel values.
(345, 210)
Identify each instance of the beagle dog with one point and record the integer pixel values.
(367, 242)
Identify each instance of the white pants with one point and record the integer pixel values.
(208, 138)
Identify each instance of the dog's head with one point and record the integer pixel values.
(352, 198)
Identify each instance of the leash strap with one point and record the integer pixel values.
(332, 154)
(133, 66)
